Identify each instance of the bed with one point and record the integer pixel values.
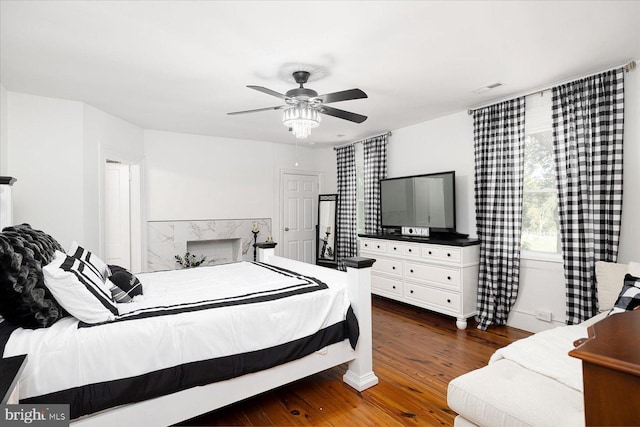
(534, 381)
(161, 358)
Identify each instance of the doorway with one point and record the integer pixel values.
(299, 214)
(122, 215)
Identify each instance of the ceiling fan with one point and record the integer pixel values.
(302, 106)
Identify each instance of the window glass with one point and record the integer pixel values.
(540, 222)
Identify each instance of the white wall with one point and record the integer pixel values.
(325, 160)
(447, 144)
(439, 145)
(54, 149)
(104, 137)
(44, 152)
(542, 284)
(630, 230)
(195, 177)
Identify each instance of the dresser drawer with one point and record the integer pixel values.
(435, 253)
(404, 249)
(448, 277)
(440, 299)
(388, 266)
(373, 246)
(386, 286)
(411, 250)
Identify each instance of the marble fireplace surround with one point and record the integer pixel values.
(220, 240)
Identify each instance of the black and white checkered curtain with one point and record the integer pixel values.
(347, 225)
(375, 169)
(587, 135)
(498, 134)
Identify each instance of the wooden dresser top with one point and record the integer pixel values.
(614, 342)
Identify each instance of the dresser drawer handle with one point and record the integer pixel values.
(409, 250)
(448, 254)
(429, 252)
(411, 291)
(394, 286)
(393, 267)
(449, 301)
(411, 270)
(448, 277)
(366, 245)
(378, 246)
(395, 249)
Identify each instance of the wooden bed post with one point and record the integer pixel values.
(360, 373)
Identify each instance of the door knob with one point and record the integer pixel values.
(286, 229)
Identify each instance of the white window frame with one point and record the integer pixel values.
(538, 119)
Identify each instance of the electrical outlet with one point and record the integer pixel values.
(543, 315)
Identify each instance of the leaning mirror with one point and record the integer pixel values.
(326, 230)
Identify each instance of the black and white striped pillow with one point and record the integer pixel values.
(629, 298)
(125, 286)
(80, 289)
(99, 266)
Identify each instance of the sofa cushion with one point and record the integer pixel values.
(504, 393)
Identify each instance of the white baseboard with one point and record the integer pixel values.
(528, 322)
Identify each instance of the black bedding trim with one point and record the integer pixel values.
(95, 397)
(6, 329)
(310, 284)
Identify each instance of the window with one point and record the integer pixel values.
(540, 222)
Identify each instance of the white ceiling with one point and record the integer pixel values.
(182, 65)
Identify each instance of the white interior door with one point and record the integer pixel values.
(300, 194)
(117, 215)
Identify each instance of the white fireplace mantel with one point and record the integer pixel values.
(220, 240)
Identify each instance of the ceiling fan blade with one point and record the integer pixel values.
(268, 91)
(344, 95)
(341, 114)
(256, 110)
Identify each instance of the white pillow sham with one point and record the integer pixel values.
(79, 289)
(90, 258)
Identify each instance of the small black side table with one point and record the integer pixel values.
(262, 245)
(10, 370)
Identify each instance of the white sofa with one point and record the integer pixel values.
(533, 381)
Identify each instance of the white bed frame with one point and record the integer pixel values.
(186, 404)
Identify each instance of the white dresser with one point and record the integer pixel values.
(439, 276)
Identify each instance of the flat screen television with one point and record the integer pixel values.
(419, 201)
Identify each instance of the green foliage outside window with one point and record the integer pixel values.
(540, 200)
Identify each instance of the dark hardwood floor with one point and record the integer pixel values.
(416, 354)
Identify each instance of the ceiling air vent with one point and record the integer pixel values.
(487, 87)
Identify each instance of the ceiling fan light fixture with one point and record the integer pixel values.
(301, 119)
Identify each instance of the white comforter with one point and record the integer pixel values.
(65, 356)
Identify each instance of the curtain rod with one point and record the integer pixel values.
(360, 140)
(630, 66)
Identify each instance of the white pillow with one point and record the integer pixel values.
(90, 258)
(79, 289)
(609, 280)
